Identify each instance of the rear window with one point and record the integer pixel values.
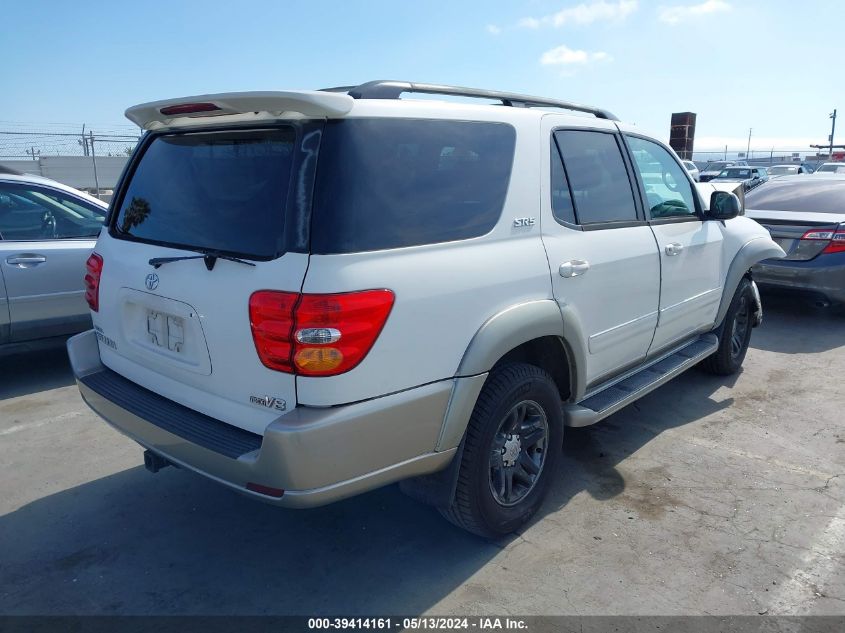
(815, 195)
(780, 171)
(735, 173)
(834, 169)
(390, 183)
(221, 191)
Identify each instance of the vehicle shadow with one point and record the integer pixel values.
(31, 372)
(174, 543)
(784, 328)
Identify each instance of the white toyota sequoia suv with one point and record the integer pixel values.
(305, 295)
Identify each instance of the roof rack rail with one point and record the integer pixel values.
(387, 89)
(338, 89)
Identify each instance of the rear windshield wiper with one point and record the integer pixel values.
(208, 256)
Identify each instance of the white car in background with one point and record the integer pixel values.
(692, 169)
(786, 170)
(47, 232)
(831, 168)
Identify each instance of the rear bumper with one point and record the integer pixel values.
(823, 275)
(315, 455)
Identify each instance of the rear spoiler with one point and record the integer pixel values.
(174, 112)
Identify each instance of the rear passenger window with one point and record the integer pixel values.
(389, 183)
(598, 179)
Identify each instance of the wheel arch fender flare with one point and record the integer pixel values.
(505, 331)
(752, 252)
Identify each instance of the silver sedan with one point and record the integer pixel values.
(47, 232)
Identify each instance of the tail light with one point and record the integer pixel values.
(93, 270)
(188, 108)
(835, 239)
(317, 334)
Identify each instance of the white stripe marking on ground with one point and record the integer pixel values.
(33, 425)
(818, 565)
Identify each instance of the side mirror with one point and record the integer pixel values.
(723, 206)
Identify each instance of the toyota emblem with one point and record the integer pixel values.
(151, 281)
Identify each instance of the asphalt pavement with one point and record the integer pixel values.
(708, 496)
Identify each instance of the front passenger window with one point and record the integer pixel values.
(667, 188)
(33, 214)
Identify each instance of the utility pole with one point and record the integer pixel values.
(832, 130)
(84, 142)
(748, 149)
(94, 161)
(726, 152)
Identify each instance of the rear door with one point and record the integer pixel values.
(181, 327)
(690, 247)
(602, 254)
(46, 236)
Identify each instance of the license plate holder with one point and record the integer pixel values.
(166, 330)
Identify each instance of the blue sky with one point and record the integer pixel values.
(772, 65)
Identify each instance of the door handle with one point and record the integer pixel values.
(674, 248)
(26, 260)
(573, 268)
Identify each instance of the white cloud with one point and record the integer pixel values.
(529, 23)
(676, 14)
(583, 14)
(492, 29)
(565, 56)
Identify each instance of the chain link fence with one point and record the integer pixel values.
(87, 159)
(763, 157)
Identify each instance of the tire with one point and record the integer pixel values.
(518, 404)
(735, 334)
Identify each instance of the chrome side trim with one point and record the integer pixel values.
(680, 309)
(607, 338)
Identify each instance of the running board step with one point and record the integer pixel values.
(608, 400)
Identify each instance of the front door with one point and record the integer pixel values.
(690, 247)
